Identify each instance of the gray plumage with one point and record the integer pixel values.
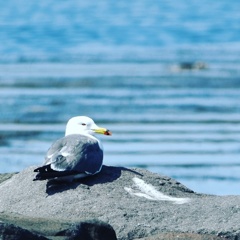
(78, 154)
(75, 153)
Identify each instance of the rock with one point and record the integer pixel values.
(192, 65)
(85, 230)
(189, 66)
(89, 230)
(54, 229)
(183, 236)
(5, 176)
(135, 202)
(12, 232)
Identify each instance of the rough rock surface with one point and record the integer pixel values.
(183, 236)
(5, 176)
(135, 202)
(12, 232)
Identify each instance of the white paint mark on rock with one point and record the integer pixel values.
(148, 191)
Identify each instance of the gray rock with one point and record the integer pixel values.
(135, 202)
(5, 176)
(183, 236)
(89, 230)
(12, 232)
(52, 229)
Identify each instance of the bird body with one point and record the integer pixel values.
(78, 154)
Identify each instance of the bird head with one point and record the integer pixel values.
(84, 125)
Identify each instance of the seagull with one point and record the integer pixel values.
(77, 155)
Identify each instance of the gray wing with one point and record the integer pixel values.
(75, 153)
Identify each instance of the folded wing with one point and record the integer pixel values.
(72, 154)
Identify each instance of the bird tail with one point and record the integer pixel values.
(45, 172)
(45, 168)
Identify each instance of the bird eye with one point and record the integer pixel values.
(83, 124)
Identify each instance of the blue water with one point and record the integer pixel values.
(120, 63)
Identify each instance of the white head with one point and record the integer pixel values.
(84, 125)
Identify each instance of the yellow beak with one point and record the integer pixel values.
(102, 131)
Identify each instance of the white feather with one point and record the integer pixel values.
(148, 191)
